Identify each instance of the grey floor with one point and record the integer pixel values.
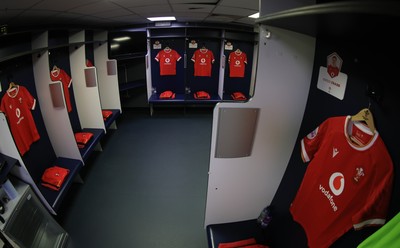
(147, 188)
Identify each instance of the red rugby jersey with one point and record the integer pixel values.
(237, 62)
(345, 185)
(203, 59)
(17, 104)
(167, 59)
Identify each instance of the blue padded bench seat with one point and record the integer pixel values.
(183, 98)
(213, 99)
(155, 98)
(109, 121)
(53, 197)
(88, 149)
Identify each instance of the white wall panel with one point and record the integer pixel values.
(240, 188)
(56, 120)
(87, 99)
(108, 84)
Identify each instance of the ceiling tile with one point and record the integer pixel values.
(233, 11)
(18, 4)
(65, 5)
(5, 15)
(213, 2)
(247, 4)
(67, 12)
(114, 13)
(95, 8)
(139, 3)
(192, 8)
(154, 9)
(130, 19)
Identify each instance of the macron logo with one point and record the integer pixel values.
(335, 152)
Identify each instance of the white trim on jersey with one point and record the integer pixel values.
(370, 222)
(304, 152)
(358, 148)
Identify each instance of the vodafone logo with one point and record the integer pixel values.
(237, 62)
(167, 60)
(203, 60)
(336, 183)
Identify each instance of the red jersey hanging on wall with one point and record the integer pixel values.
(58, 74)
(203, 60)
(237, 62)
(346, 185)
(17, 104)
(167, 59)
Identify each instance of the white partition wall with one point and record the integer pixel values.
(87, 97)
(8, 148)
(239, 188)
(223, 63)
(149, 81)
(56, 119)
(107, 74)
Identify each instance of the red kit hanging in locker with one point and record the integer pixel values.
(17, 104)
(347, 184)
(203, 60)
(167, 59)
(237, 62)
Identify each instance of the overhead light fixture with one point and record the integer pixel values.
(163, 18)
(255, 16)
(114, 46)
(124, 38)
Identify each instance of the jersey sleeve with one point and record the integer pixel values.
(311, 143)
(29, 100)
(67, 78)
(194, 56)
(157, 58)
(177, 56)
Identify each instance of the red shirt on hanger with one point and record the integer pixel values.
(203, 60)
(346, 185)
(167, 59)
(17, 104)
(237, 62)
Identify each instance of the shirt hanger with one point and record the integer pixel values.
(12, 85)
(365, 115)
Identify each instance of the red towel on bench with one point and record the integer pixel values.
(54, 177)
(245, 243)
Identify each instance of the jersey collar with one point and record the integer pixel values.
(347, 129)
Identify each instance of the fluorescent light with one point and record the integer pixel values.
(164, 18)
(255, 16)
(124, 38)
(114, 46)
